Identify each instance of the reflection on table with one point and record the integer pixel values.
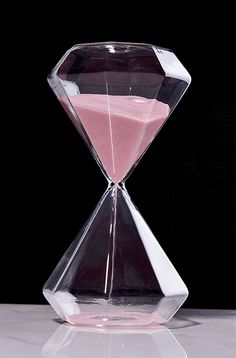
(78, 342)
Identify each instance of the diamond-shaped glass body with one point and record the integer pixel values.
(118, 96)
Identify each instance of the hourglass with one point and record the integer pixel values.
(118, 95)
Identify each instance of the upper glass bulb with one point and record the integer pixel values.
(118, 96)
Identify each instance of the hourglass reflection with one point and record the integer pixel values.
(118, 95)
(80, 342)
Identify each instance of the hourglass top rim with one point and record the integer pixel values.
(107, 43)
(124, 43)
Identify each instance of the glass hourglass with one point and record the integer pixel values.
(118, 95)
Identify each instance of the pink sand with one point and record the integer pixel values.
(112, 319)
(119, 127)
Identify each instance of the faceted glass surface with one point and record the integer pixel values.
(118, 96)
(115, 272)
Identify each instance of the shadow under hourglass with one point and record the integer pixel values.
(80, 342)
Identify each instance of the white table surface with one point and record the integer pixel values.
(28, 331)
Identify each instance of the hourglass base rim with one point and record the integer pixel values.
(122, 311)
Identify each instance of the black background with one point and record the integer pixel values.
(185, 186)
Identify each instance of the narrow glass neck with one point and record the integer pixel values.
(115, 186)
